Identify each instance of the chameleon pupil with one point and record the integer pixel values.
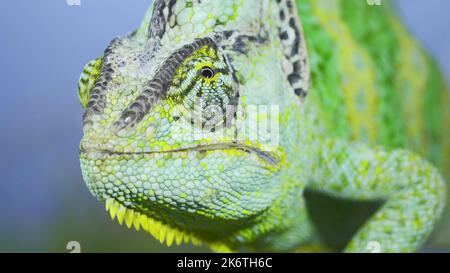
(207, 72)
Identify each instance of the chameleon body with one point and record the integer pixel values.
(333, 129)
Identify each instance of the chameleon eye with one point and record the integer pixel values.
(207, 72)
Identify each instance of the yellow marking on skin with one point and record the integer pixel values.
(113, 210)
(91, 72)
(170, 237)
(144, 126)
(136, 220)
(204, 165)
(186, 238)
(129, 218)
(358, 75)
(205, 51)
(108, 203)
(220, 248)
(412, 73)
(121, 214)
(195, 241)
(200, 65)
(162, 235)
(178, 238)
(156, 228)
(143, 221)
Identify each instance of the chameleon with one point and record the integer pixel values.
(270, 126)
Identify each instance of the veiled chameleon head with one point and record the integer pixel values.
(164, 145)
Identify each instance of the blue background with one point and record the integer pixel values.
(44, 45)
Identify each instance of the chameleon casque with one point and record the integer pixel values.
(360, 111)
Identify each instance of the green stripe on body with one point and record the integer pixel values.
(324, 67)
(375, 84)
(343, 73)
(404, 97)
(371, 28)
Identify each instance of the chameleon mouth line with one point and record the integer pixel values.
(266, 156)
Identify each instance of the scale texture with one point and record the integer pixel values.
(270, 125)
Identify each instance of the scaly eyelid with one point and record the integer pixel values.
(200, 65)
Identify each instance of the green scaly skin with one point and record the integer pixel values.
(357, 105)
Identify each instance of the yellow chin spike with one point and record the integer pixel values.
(179, 238)
(109, 203)
(186, 239)
(161, 232)
(154, 228)
(113, 209)
(129, 218)
(144, 222)
(170, 236)
(136, 220)
(121, 214)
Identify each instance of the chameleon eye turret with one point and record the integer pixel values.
(242, 125)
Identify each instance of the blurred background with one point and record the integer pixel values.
(44, 45)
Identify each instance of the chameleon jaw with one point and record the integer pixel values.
(160, 231)
(97, 164)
